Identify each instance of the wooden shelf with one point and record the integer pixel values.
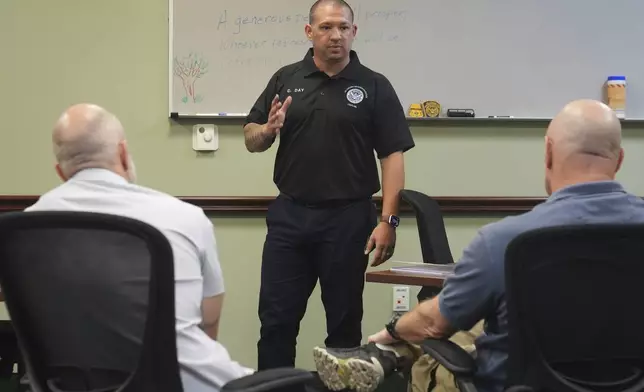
(391, 277)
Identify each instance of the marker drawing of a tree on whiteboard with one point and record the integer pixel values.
(190, 69)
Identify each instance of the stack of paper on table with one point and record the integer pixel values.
(426, 269)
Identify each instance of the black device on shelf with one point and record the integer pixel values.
(460, 112)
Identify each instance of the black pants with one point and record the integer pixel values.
(304, 244)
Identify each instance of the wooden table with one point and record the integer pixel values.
(390, 277)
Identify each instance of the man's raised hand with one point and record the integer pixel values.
(277, 115)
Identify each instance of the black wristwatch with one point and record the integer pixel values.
(391, 327)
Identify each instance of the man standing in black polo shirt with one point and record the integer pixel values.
(331, 113)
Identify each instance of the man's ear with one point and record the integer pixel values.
(308, 30)
(59, 171)
(548, 153)
(620, 159)
(125, 163)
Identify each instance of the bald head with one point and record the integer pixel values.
(587, 127)
(584, 141)
(88, 136)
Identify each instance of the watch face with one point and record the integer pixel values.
(394, 220)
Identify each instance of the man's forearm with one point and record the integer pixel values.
(393, 181)
(256, 139)
(422, 323)
(212, 330)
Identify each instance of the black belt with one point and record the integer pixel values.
(334, 203)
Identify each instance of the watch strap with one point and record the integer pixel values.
(391, 220)
(391, 328)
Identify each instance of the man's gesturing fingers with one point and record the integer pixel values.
(287, 103)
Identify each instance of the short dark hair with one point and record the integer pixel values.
(318, 3)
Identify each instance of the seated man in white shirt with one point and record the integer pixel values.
(98, 176)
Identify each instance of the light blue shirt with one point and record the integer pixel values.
(477, 289)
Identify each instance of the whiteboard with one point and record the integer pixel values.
(523, 58)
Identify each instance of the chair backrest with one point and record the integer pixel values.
(574, 296)
(91, 297)
(431, 227)
(434, 245)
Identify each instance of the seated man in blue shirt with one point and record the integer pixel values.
(582, 155)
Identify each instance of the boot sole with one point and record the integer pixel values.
(351, 373)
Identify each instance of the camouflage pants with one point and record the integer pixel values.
(428, 375)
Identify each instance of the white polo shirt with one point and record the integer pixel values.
(205, 363)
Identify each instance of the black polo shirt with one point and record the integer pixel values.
(332, 128)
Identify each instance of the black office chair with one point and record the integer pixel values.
(9, 355)
(91, 297)
(434, 244)
(574, 297)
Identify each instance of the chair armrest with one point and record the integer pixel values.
(268, 380)
(449, 354)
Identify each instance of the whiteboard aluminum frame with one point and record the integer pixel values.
(170, 54)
